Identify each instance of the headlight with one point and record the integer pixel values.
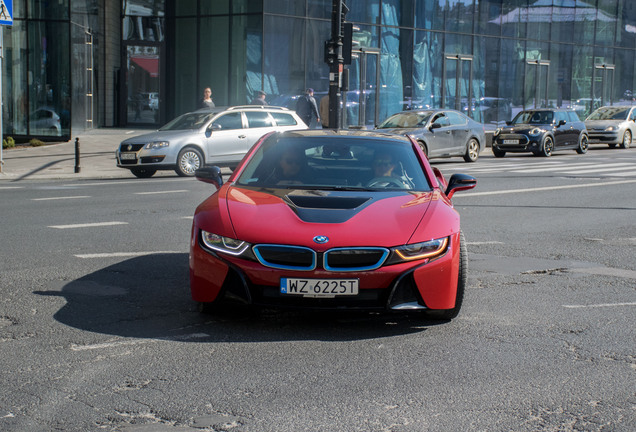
(610, 129)
(418, 251)
(497, 132)
(157, 145)
(535, 131)
(223, 244)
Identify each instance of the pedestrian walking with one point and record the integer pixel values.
(306, 107)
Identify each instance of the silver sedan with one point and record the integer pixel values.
(612, 125)
(221, 136)
(440, 132)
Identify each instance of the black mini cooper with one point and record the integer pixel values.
(541, 131)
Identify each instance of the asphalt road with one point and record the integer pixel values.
(97, 330)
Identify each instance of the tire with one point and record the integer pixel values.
(449, 314)
(143, 172)
(547, 147)
(583, 145)
(498, 153)
(472, 150)
(424, 148)
(627, 139)
(188, 161)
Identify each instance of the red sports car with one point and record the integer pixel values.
(331, 219)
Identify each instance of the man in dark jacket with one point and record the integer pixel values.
(306, 107)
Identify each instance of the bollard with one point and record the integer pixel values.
(77, 156)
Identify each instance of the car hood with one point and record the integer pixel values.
(159, 136)
(346, 217)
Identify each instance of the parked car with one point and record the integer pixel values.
(331, 219)
(441, 133)
(612, 125)
(541, 131)
(219, 136)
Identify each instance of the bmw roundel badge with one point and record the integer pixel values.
(321, 239)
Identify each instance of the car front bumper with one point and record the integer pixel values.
(405, 286)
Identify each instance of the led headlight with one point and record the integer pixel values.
(418, 251)
(157, 145)
(610, 129)
(223, 244)
(535, 131)
(497, 132)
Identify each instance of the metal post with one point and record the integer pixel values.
(336, 63)
(77, 156)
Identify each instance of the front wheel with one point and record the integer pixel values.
(498, 153)
(143, 172)
(627, 140)
(472, 151)
(188, 161)
(424, 148)
(547, 147)
(583, 145)
(449, 314)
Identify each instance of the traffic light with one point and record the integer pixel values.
(347, 43)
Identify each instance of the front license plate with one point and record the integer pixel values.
(319, 287)
(127, 156)
(511, 141)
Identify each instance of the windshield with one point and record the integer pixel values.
(534, 117)
(406, 120)
(189, 121)
(613, 113)
(328, 163)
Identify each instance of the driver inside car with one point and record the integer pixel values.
(384, 173)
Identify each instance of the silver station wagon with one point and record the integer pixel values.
(218, 136)
(612, 125)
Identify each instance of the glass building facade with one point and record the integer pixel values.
(96, 63)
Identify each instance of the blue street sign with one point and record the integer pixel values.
(6, 12)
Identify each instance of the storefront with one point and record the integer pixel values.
(70, 65)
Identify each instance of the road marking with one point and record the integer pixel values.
(600, 305)
(556, 168)
(125, 254)
(192, 336)
(484, 243)
(60, 198)
(87, 225)
(10, 187)
(540, 189)
(614, 167)
(161, 192)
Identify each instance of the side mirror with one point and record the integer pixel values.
(508, 122)
(435, 125)
(561, 122)
(460, 182)
(210, 175)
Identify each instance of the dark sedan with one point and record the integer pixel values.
(541, 131)
(440, 133)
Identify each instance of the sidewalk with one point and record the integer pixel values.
(57, 160)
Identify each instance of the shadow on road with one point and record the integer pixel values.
(149, 297)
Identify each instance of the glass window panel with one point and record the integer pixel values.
(138, 28)
(395, 70)
(606, 19)
(46, 9)
(585, 17)
(489, 17)
(563, 18)
(246, 60)
(512, 66)
(582, 70)
(142, 7)
(513, 21)
(320, 9)
(364, 11)
(14, 79)
(214, 45)
(560, 69)
(317, 71)
(214, 7)
(366, 36)
(258, 119)
(142, 80)
(284, 68)
(428, 60)
(49, 76)
(429, 15)
(246, 6)
(229, 121)
(459, 16)
(624, 79)
(186, 93)
(398, 12)
(185, 8)
(285, 7)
